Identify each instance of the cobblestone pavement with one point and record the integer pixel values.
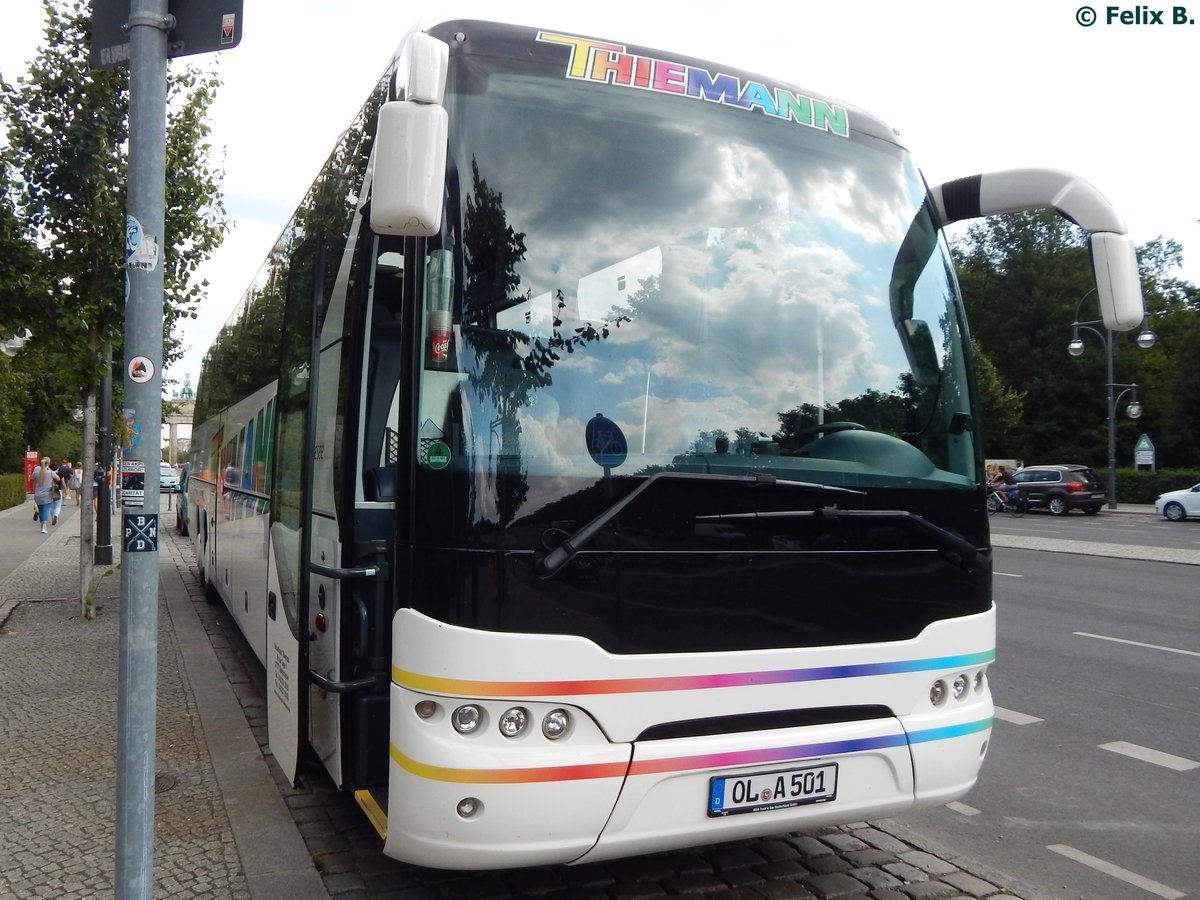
(58, 735)
(863, 860)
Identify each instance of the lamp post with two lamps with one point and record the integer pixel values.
(1134, 410)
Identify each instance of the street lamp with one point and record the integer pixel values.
(1134, 410)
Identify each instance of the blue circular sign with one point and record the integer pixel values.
(605, 442)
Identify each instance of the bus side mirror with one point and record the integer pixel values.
(1118, 284)
(410, 169)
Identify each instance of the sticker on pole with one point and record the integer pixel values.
(140, 533)
(141, 369)
(141, 249)
(133, 482)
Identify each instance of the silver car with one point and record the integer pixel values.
(168, 478)
(1178, 505)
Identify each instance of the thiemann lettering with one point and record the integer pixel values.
(609, 64)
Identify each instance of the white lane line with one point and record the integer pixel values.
(1009, 574)
(962, 809)
(1016, 718)
(1132, 878)
(1101, 637)
(1145, 754)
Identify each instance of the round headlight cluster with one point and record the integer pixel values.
(958, 687)
(512, 723)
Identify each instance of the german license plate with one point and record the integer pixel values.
(732, 794)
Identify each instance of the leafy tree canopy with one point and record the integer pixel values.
(62, 212)
(1026, 279)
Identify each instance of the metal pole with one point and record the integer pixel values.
(1112, 424)
(142, 362)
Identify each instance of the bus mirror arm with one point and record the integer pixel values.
(1114, 259)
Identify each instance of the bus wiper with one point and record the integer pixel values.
(564, 552)
(960, 551)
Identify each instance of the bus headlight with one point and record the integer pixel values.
(961, 685)
(556, 724)
(513, 721)
(938, 692)
(467, 718)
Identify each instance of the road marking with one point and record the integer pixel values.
(1009, 574)
(1016, 718)
(1101, 637)
(1139, 881)
(1145, 754)
(962, 809)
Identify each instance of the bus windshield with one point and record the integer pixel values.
(725, 291)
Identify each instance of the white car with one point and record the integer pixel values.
(1178, 505)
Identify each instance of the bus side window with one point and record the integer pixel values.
(383, 374)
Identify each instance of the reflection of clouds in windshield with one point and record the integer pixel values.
(775, 251)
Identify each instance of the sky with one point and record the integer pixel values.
(969, 86)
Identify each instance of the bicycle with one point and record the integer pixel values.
(1014, 504)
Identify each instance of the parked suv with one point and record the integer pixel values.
(1061, 489)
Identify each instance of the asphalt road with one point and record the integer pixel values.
(1136, 531)
(1091, 787)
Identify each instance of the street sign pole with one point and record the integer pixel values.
(144, 244)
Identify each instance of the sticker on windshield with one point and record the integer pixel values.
(439, 455)
(607, 63)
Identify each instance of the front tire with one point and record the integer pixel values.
(1057, 506)
(1174, 512)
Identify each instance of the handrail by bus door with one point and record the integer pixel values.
(377, 571)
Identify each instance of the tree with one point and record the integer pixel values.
(67, 128)
(1025, 279)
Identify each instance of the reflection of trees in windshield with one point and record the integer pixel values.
(508, 365)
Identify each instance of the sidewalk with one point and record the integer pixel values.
(221, 827)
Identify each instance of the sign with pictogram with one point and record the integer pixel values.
(199, 26)
(140, 532)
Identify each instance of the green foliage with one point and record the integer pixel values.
(1001, 406)
(65, 183)
(1025, 280)
(14, 396)
(22, 290)
(12, 490)
(64, 440)
(1144, 486)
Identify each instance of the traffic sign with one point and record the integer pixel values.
(1143, 452)
(201, 26)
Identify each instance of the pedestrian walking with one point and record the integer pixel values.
(45, 484)
(77, 483)
(64, 473)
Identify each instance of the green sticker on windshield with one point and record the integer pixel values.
(439, 455)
